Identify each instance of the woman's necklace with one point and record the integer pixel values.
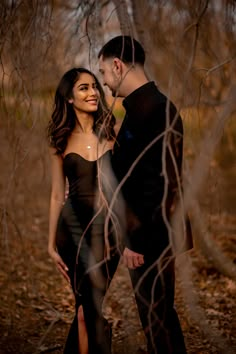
(88, 146)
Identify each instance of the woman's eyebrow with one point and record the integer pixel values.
(84, 84)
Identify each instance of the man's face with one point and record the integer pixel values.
(110, 77)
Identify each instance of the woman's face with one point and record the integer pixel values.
(85, 94)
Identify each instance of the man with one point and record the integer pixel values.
(147, 161)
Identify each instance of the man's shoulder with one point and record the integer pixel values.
(165, 104)
(160, 96)
(152, 92)
(162, 99)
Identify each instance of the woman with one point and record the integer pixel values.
(81, 135)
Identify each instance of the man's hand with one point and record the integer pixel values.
(132, 259)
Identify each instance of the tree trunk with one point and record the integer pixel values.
(123, 17)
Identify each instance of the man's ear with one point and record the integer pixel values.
(117, 66)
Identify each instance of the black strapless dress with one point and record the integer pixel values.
(81, 244)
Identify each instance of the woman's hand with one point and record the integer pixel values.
(61, 266)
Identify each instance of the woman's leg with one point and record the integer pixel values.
(82, 332)
(90, 276)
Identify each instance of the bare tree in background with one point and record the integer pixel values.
(191, 54)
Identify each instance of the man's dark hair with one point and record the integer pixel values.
(126, 48)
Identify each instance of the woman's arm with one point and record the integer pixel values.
(56, 203)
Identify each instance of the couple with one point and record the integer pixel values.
(87, 231)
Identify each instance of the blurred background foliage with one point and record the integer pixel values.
(190, 47)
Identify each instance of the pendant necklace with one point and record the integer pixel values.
(87, 146)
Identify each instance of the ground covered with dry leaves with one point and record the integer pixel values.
(37, 304)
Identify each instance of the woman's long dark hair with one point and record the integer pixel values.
(63, 118)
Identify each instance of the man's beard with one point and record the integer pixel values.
(115, 92)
